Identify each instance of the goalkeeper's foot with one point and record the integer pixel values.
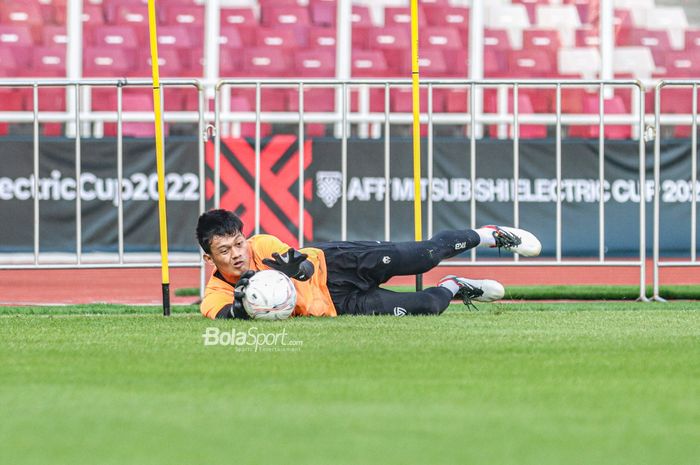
(513, 239)
(470, 290)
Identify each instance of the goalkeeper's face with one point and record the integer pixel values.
(230, 255)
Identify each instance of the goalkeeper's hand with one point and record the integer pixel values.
(237, 310)
(292, 263)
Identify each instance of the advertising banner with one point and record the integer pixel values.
(279, 173)
(98, 188)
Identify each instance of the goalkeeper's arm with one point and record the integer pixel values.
(235, 309)
(292, 263)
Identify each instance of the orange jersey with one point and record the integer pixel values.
(313, 298)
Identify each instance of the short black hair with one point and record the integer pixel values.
(218, 222)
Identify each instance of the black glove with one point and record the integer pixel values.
(292, 263)
(237, 310)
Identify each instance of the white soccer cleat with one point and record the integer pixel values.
(516, 240)
(479, 290)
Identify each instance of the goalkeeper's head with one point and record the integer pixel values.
(220, 234)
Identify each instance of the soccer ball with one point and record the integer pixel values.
(270, 295)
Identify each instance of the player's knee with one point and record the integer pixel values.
(435, 304)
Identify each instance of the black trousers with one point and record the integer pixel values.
(356, 269)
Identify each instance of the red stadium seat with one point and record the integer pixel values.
(613, 105)
(571, 100)
(692, 39)
(361, 26)
(530, 63)
(185, 15)
(243, 19)
(108, 61)
(361, 16)
(368, 63)
(266, 3)
(322, 37)
(292, 18)
(443, 37)
(457, 101)
(271, 98)
(177, 98)
(448, 41)
(376, 100)
(495, 62)
(401, 16)
(587, 37)
(623, 24)
(177, 37)
(323, 12)
(8, 63)
(230, 37)
(136, 102)
(657, 41)
(50, 99)
(127, 14)
(496, 39)
(395, 43)
(28, 14)
(238, 17)
(133, 99)
(54, 36)
(10, 98)
(649, 38)
(314, 63)
(401, 100)
(679, 100)
(525, 107)
(92, 14)
(242, 103)
(284, 15)
(265, 62)
(230, 62)
(446, 15)
(546, 40)
(496, 48)
(196, 35)
(438, 15)
(170, 64)
(432, 63)
(278, 37)
(682, 64)
(13, 35)
(51, 10)
(316, 99)
(49, 62)
(18, 41)
(114, 36)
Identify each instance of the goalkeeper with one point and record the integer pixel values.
(343, 278)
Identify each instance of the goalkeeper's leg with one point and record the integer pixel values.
(431, 301)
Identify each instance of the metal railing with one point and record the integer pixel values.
(78, 116)
(660, 120)
(376, 123)
(473, 119)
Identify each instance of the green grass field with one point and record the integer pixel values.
(514, 383)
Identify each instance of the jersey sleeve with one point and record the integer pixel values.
(213, 302)
(263, 246)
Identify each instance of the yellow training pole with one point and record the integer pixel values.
(160, 159)
(415, 73)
